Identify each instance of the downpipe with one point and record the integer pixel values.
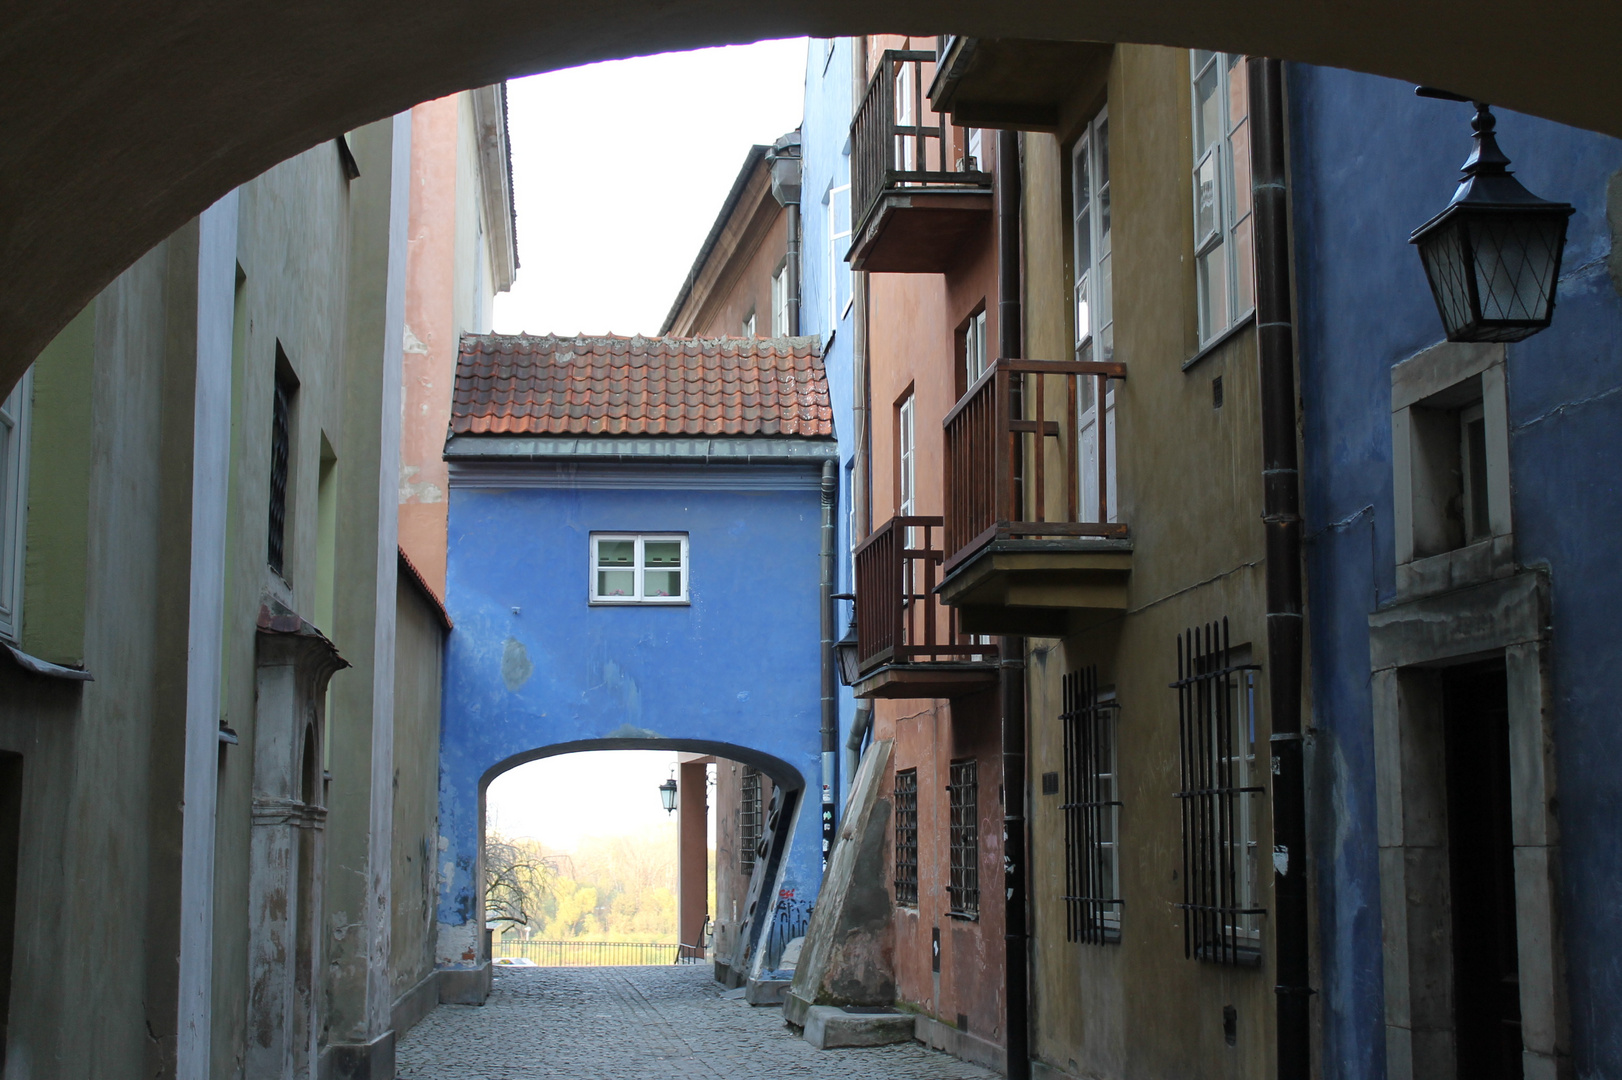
(1281, 517)
(1011, 652)
(830, 708)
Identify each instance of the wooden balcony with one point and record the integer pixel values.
(914, 208)
(1026, 553)
(1015, 83)
(907, 644)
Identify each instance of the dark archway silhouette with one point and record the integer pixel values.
(124, 121)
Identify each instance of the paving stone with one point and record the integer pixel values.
(631, 1023)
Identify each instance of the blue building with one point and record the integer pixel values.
(1462, 514)
(828, 301)
(634, 547)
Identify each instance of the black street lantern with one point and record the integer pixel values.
(1493, 255)
(845, 650)
(667, 795)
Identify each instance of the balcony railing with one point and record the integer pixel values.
(898, 620)
(898, 141)
(997, 482)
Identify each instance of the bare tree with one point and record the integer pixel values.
(518, 877)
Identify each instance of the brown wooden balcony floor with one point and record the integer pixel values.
(1038, 588)
(917, 230)
(934, 679)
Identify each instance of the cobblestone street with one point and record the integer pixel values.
(630, 1023)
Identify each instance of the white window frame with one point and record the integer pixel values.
(1092, 252)
(14, 445)
(639, 570)
(1220, 245)
(836, 250)
(748, 327)
(1110, 786)
(1247, 859)
(907, 455)
(975, 358)
(780, 301)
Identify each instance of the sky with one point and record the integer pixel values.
(619, 170)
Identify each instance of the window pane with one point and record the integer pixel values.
(616, 552)
(1208, 125)
(1238, 89)
(1084, 326)
(1213, 271)
(1239, 157)
(1244, 257)
(1206, 221)
(616, 583)
(660, 553)
(662, 583)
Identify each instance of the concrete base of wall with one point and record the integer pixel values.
(465, 986)
(795, 1009)
(766, 991)
(360, 1061)
(828, 1027)
(416, 1003)
(1041, 1070)
(727, 977)
(961, 1044)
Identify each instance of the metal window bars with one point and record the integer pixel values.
(750, 820)
(898, 140)
(963, 791)
(997, 484)
(1091, 812)
(906, 837)
(1216, 731)
(898, 617)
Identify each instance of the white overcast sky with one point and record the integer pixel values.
(618, 172)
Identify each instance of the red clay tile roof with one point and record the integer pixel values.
(524, 385)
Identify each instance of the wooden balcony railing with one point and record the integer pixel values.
(997, 458)
(897, 140)
(898, 620)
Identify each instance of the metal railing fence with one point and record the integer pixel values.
(597, 953)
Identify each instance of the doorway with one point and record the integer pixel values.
(1481, 871)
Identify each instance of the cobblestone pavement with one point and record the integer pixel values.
(627, 1023)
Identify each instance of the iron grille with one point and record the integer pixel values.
(1216, 711)
(749, 821)
(1091, 812)
(280, 441)
(906, 837)
(964, 792)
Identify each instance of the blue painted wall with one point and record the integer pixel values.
(825, 282)
(739, 666)
(1371, 162)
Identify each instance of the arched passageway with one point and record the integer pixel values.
(783, 884)
(124, 122)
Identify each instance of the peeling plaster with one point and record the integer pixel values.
(515, 666)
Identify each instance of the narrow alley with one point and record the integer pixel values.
(608, 1023)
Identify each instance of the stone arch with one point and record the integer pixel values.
(122, 125)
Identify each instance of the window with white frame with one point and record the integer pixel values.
(975, 358)
(780, 327)
(748, 327)
(1224, 253)
(639, 568)
(839, 228)
(974, 151)
(1094, 298)
(1092, 810)
(906, 118)
(14, 412)
(906, 454)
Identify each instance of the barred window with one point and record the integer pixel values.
(749, 821)
(1091, 812)
(1216, 708)
(281, 441)
(964, 792)
(906, 837)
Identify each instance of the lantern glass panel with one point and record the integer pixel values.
(1515, 259)
(1444, 257)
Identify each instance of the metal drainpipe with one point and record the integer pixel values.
(1281, 517)
(830, 711)
(1011, 651)
(792, 269)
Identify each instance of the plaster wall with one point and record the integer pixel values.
(534, 668)
(1364, 306)
(736, 280)
(1189, 488)
(731, 883)
(450, 287)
